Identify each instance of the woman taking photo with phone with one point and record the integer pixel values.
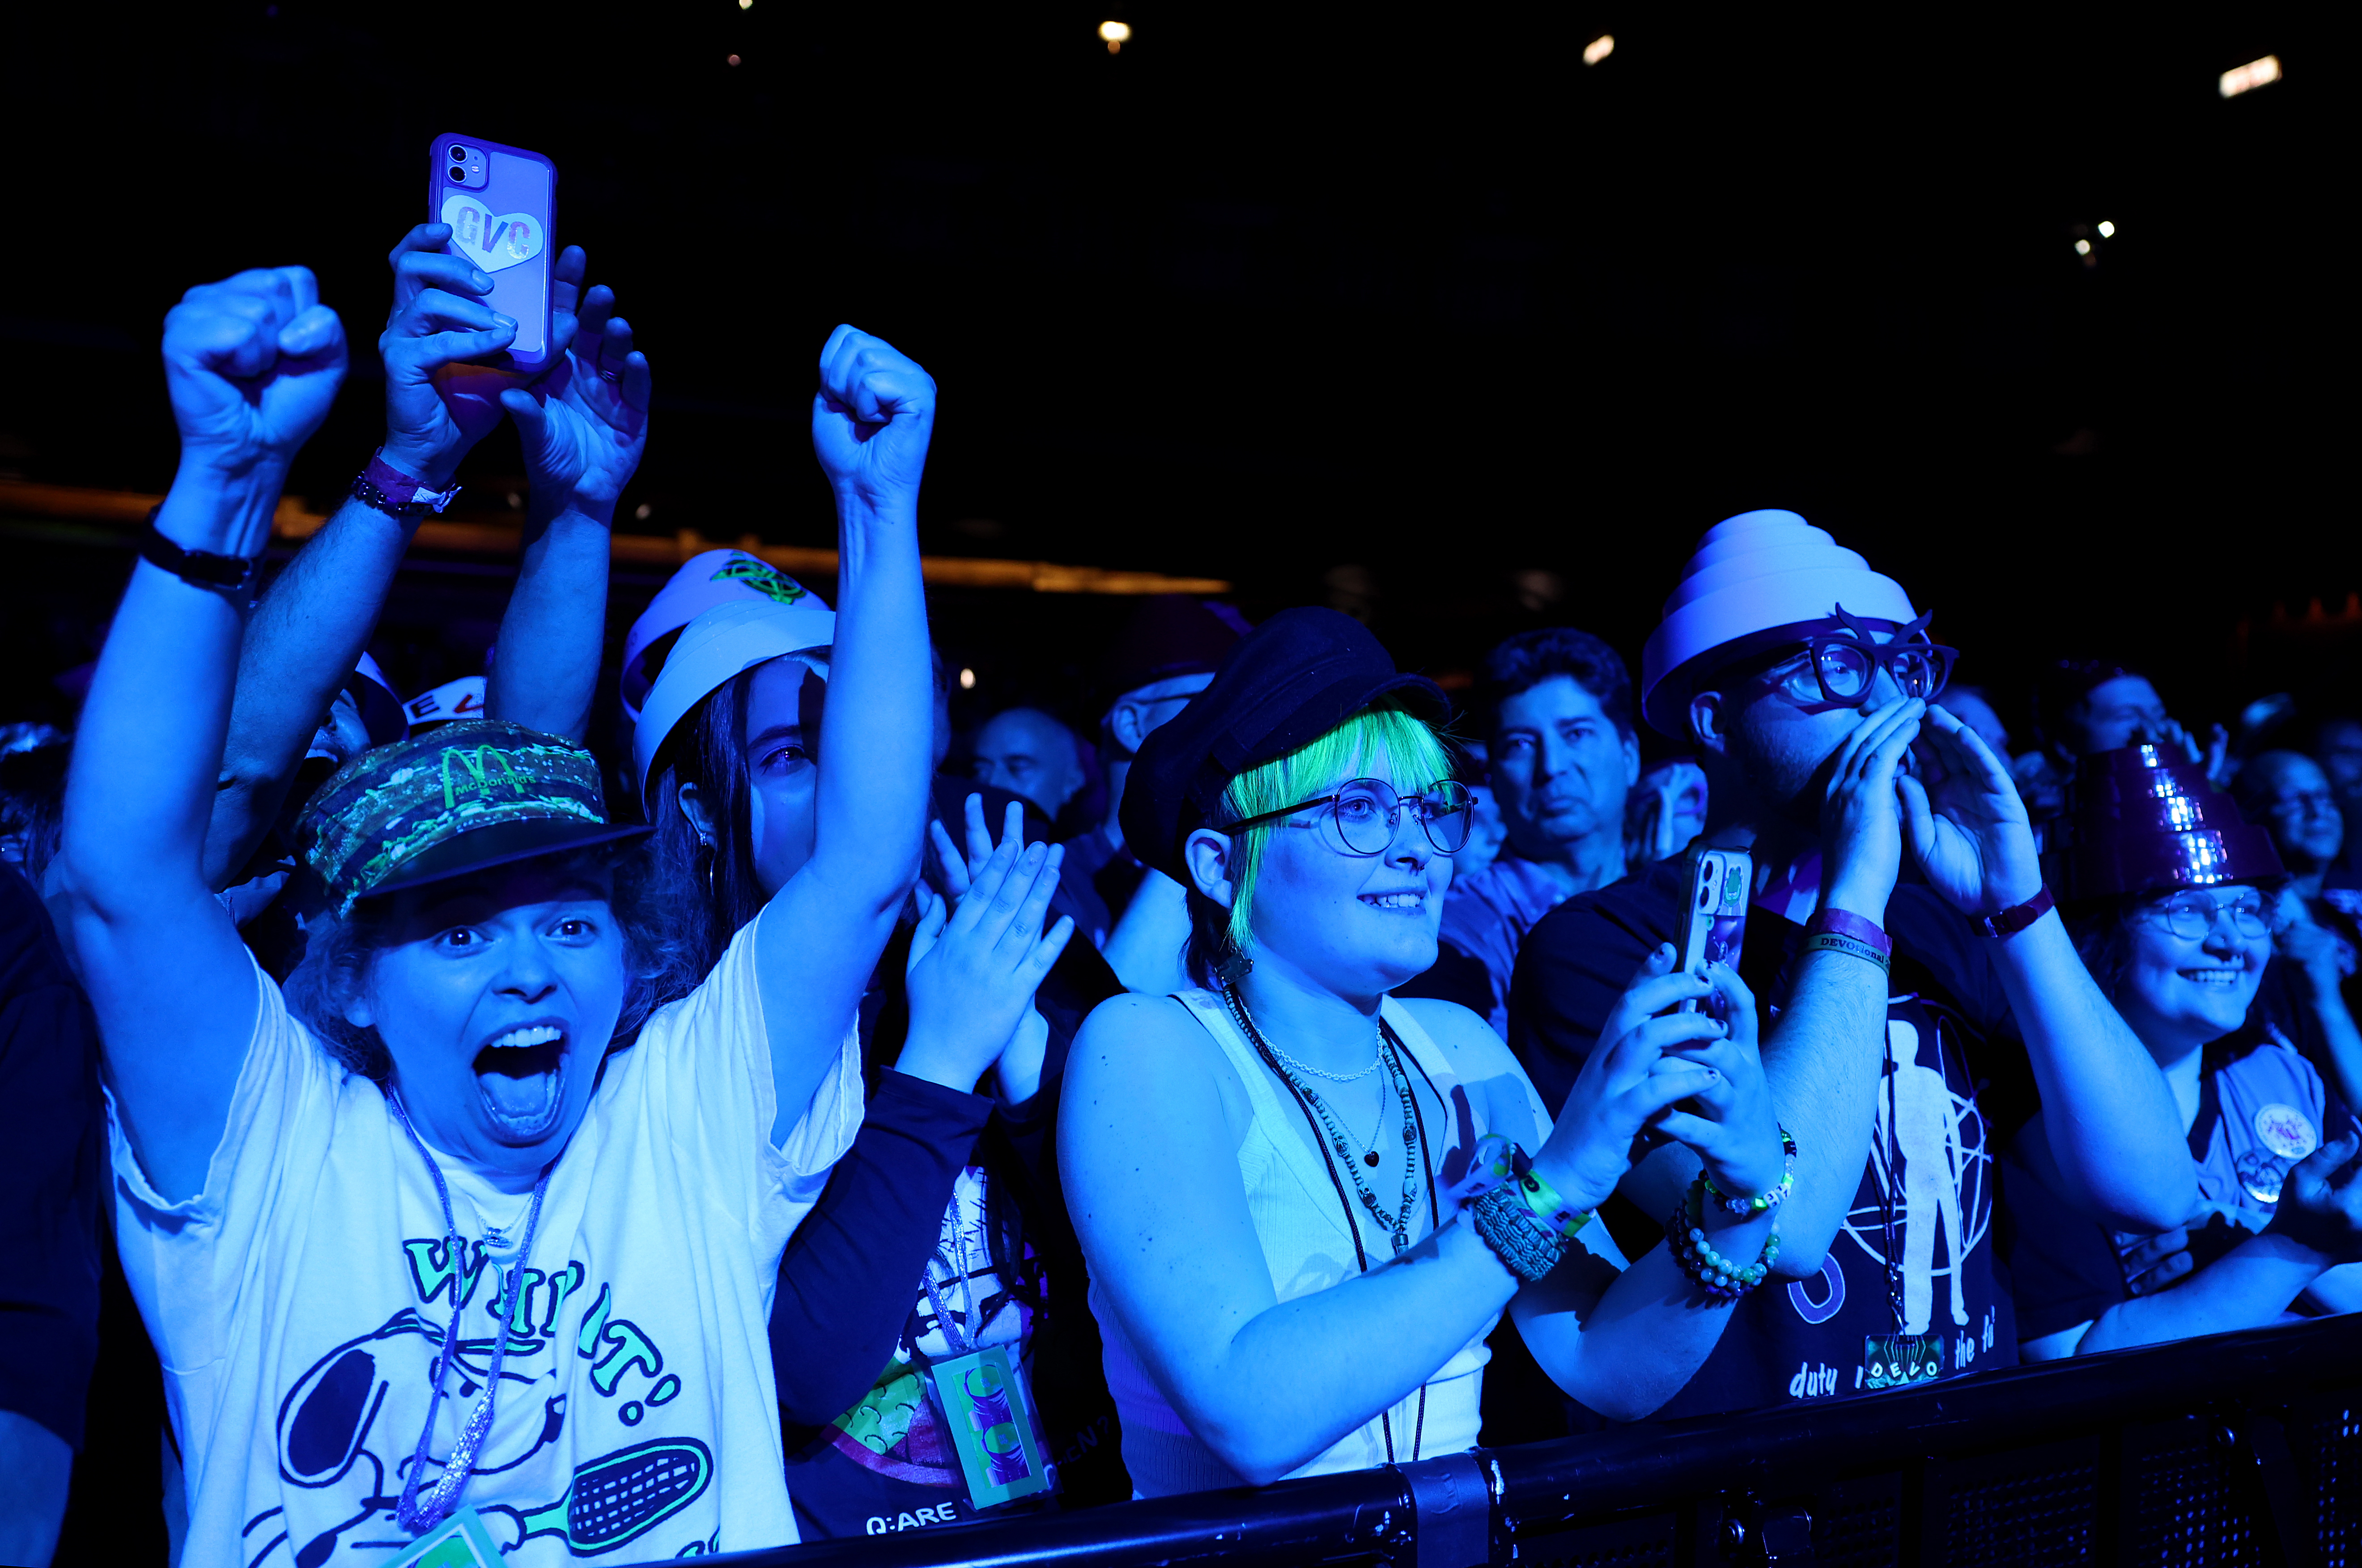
(467, 1232)
(1305, 1203)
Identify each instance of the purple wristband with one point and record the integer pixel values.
(390, 490)
(1840, 923)
(2017, 917)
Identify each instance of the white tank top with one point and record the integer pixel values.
(1308, 1247)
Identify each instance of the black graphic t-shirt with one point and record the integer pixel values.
(1911, 1282)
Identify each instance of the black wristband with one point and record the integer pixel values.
(200, 568)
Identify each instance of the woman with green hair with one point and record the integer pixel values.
(1305, 1203)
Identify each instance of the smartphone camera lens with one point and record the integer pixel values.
(458, 155)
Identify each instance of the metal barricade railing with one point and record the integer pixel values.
(2234, 1448)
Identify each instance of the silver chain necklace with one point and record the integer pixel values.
(1396, 1226)
(415, 1514)
(1377, 1055)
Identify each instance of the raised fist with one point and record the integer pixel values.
(252, 364)
(871, 420)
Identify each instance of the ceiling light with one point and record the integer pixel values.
(1117, 35)
(1598, 49)
(2255, 73)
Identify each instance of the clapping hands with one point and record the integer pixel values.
(977, 956)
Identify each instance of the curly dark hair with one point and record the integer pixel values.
(658, 965)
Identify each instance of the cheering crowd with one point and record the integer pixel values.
(766, 1134)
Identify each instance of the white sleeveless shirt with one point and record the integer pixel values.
(1308, 1247)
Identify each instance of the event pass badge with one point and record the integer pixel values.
(988, 1412)
(459, 1541)
(1893, 1361)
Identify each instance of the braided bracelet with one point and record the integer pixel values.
(1718, 1275)
(1516, 1233)
(1745, 1207)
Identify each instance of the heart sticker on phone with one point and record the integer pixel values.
(491, 241)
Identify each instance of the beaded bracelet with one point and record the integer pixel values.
(1718, 1275)
(1746, 1207)
(1852, 947)
(1517, 1237)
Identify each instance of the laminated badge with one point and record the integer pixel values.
(985, 1409)
(459, 1541)
(1891, 1360)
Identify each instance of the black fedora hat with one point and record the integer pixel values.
(1287, 683)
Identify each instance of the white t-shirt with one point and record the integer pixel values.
(298, 1302)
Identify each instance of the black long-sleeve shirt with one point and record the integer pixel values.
(850, 1272)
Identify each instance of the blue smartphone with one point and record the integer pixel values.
(501, 204)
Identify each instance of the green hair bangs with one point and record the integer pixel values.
(1380, 742)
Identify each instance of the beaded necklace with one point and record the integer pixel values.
(1397, 1225)
(1415, 1135)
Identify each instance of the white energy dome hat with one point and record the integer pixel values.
(1754, 573)
(719, 642)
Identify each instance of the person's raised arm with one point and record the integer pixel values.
(817, 943)
(252, 364)
(2108, 1114)
(583, 427)
(309, 631)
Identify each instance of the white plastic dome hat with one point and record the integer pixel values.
(711, 578)
(719, 644)
(1754, 573)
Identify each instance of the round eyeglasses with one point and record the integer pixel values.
(2191, 915)
(1844, 670)
(1364, 814)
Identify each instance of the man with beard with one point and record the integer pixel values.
(1898, 1023)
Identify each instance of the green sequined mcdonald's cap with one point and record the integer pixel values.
(477, 793)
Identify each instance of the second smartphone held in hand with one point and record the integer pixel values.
(501, 204)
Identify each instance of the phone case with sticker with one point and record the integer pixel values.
(501, 204)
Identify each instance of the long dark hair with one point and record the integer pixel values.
(716, 888)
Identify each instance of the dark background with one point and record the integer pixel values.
(1404, 309)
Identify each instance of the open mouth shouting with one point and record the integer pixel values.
(519, 1075)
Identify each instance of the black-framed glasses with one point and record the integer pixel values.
(1844, 663)
(2191, 915)
(1364, 815)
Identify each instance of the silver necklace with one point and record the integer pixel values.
(1377, 1055)
(1396, 1226)
(415, 1514)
